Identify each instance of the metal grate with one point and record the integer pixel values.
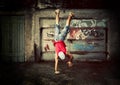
(12, 35)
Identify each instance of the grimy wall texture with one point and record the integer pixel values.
(26, 36)
(96, 25)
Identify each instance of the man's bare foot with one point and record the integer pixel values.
(70, 64)
(57, 72)
(57, 11)
(71, 14)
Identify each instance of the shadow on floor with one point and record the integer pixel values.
(42, 73)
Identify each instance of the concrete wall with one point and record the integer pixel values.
(35, 20)
(45, 18)
(29, 42)
(114, 34)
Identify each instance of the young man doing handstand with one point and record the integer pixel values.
(60, 46)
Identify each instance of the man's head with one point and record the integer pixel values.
(61, 55)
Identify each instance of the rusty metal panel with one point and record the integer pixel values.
(87, 39)
(12, 35)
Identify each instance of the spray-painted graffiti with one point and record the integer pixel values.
(89, 23)
(50, 34)
(92, 32)
(89, 30)
(46, 47)
(77, 33)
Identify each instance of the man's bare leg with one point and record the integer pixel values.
(69, 19)
(56, 64)
(69, 62)
(68, 24)
(57, 12)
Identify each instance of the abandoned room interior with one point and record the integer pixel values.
(27, 52)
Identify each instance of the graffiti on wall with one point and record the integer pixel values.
(83, 47)
(88, 43)
(86, 33)
(89, 23)
(50, 34)
(85, 29)
(88, 46)
(78, 33)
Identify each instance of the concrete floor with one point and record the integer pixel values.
(42, 73)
